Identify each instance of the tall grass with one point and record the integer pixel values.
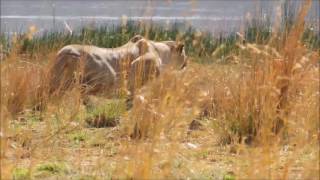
(258, 116)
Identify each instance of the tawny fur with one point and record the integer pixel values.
(102, 70)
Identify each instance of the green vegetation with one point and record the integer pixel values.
(78, 136)
(51, 168)
(202, 46)
(21, 174)
(105, 114)
(229, 176)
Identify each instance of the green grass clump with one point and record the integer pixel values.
(78, 137)
(311, 38)
(229, 176)
(51, 168)
(106, 114)
(21, 174)
(85, 177)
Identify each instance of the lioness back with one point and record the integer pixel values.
(89, 61)
(100, 68)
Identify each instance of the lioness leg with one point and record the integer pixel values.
(142, 70)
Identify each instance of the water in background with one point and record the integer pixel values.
(211, 15)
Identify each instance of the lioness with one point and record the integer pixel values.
(101, 69)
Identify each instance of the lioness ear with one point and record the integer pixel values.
(143, 46)
(136, 38)
(180, 47)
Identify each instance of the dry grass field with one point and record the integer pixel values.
(255, 116)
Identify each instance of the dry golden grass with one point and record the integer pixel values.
(259, 120)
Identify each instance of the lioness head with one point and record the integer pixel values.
(136, 38)
(170, 52)
(178, 56)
